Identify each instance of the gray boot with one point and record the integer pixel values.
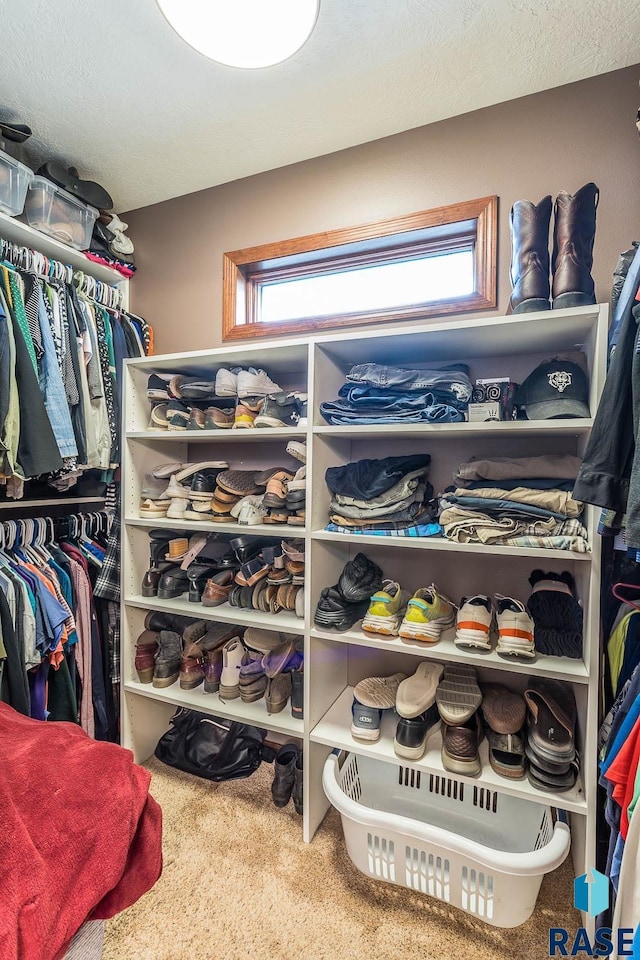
(167, 659)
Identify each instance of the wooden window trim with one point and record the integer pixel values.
(245, 270)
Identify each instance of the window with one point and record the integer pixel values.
(426, 264)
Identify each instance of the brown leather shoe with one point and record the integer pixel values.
(191, 667)
(460, 744)
(278, 692)
(218, 588)
(146, 646)
(573, 235)
(530, 255)
(212, 670)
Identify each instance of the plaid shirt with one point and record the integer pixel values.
(419, 530)
(108, 582)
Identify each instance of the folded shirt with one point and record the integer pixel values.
(562, 466)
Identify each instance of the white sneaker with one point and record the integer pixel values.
(473, 622)
(177, 507)
(227, 381)
(232, 654)
(515, 628)
(255, 383)
(249, 511)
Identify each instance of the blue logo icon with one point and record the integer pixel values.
(591, 892)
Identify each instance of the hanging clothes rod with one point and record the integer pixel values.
(40, 530)
(25, 258)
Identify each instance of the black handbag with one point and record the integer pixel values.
(212, 747)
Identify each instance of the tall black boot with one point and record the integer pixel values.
(573, 234)
(530, 255)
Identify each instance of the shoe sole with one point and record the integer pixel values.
(190, 684)
(409, 753)
(418, 692)
(367, 736)
(458, 699)
(261, 421)
(507, 650)
(383, 626)
(377, 696)
(468, 768)
(211, 687)
(145, 676)
(429, 632)
(473, 638)
(160, 682)
(228, 693)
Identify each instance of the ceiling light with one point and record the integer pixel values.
(243, 33)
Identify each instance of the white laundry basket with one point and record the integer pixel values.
(472, 847)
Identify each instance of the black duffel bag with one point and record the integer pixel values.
(212, 747)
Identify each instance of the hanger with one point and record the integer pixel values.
(618, 587)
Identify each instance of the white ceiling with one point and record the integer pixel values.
(108, 86)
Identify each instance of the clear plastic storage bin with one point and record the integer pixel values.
(58, 214)
(14, 180)
(482, 851)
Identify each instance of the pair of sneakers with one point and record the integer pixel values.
(394, 612)
(479, 619)
(412, 697)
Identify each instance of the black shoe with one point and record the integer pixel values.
(284, 774)
(297, 693)
(203, 483)
(279, 410)
(296, 793)
(173, 584)
(248, 547)
(151, 579)
(411, 735)
(360, 579)
(336, 612)
(188, 627)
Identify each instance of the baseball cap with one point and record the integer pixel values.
(556, 388)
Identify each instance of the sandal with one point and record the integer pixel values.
(503, 710)
(552, 718)
(276, 494)
(506, 754)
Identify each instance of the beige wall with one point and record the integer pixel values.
(540, 144)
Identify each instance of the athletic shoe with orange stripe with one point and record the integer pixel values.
(515, 628)
(473, 622)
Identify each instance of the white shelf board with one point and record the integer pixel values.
(334, 731)
(51, 502)
(253, 713)
(277, 530)
(497, 336)
(219, 436)
(224, 613)
(560, 668)
(288, 356)
(507, 428)
(439, 543)
(26, 236)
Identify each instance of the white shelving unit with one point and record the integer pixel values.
(335, 662)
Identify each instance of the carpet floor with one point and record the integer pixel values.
(239, 882)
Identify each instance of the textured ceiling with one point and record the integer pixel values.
(108, 86)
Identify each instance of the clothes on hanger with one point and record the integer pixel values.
(62, 345)
(52, 651)
(619, 751)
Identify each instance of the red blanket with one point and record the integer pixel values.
(80, 837)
